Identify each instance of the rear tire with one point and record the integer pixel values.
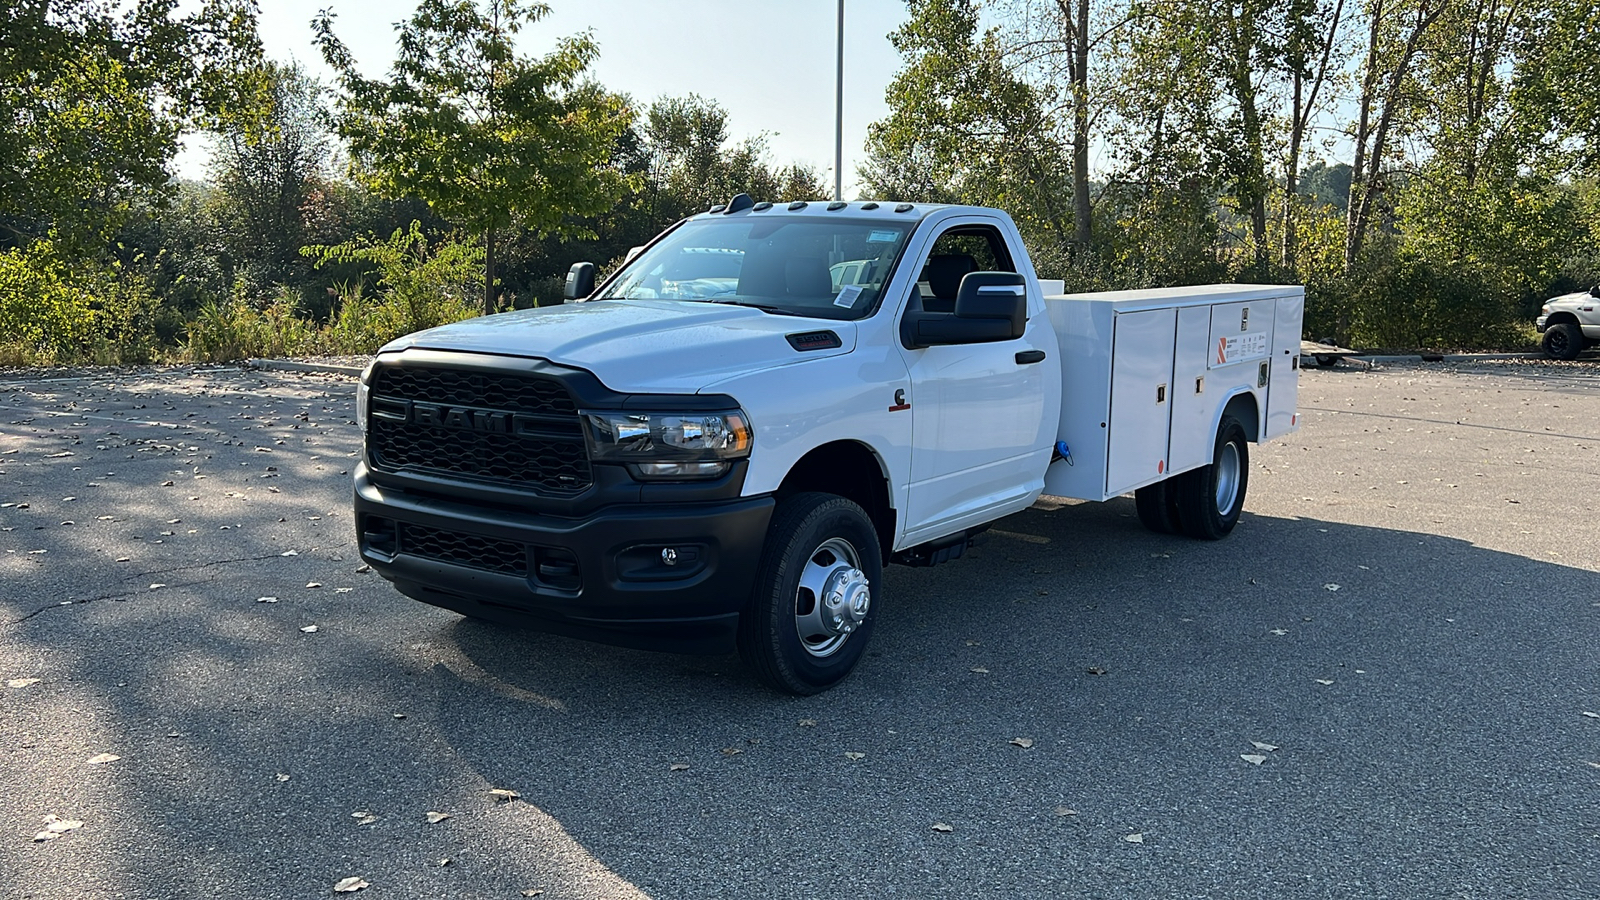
(1211, 497)
(1563, 340)
(816, 595)
(1158, 507)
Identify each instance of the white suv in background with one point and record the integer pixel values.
(1570, 323)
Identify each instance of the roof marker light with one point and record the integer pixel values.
(837, 205)
(717, 208)
(905, 207)
(870, 205)
(798, 204)
(763, 206)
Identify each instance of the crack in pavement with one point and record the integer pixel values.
(126, 595)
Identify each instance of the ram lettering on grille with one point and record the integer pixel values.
(478, 426)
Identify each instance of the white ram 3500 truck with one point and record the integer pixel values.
(725, 442)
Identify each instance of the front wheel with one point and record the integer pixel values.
(1211, 497)
(816, 594)
(1563, 340)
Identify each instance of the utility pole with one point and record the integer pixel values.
(838, 116)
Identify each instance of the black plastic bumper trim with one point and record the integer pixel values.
(696, 612)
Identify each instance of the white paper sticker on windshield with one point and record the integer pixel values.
(883, 237)
(848, 296)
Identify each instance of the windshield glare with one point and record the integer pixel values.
(828, 267)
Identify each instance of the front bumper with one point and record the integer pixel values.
(600, 577)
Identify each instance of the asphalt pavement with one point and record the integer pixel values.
(1385, 683)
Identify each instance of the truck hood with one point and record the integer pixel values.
(640, 346)
(1571, 299)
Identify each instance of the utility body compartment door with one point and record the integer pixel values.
(1283, 393)
(1141, 398)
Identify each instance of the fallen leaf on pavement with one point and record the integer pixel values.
(504, 795)
(942, 828)
(536, 892)
(1330, 587)
(101, 758)
(1591, 715)
(435, 818)
(678, 767)
(1324, 680)
(980, 670)
(1096, 670)
(55, 827)
(1066, 811)
(808, 723)
(1023, 742)
(21, 682)
(282, 777)
(1267, 748)
(349, 885)
(1254, 759)
(851, 754)
(731, 751)
(313, 584)
(1135, 838)
(310, 629)
(266, 599)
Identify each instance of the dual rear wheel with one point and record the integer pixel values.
(1206, 502)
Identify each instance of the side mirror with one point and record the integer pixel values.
(994, 295)
(580, 281)
(1595, 291)
(990, 306)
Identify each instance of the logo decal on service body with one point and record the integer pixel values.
(899, 401)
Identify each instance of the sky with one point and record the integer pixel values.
(769, 63)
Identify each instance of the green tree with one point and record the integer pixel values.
(487, 137)
(267, 179)
(95, 95)
(963, 127)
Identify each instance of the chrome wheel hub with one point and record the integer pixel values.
(833, 599)
(1227, 478)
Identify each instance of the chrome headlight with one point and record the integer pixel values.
(666, 446)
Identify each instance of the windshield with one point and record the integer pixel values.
(824, 266)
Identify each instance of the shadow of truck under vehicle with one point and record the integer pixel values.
(1423, 694)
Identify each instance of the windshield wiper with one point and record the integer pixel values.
(766, 308)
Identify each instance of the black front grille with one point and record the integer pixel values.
(507, 557)
(520, 430)
(471, 387)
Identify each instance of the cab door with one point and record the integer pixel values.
(980, 438)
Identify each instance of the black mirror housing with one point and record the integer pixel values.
(994, 295)
(580, 281)
(990, 306)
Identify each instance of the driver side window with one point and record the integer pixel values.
(959, 250)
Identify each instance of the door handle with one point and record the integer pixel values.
(1024, 357)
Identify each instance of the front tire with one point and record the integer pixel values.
(1211, 497)
(1563, 340)
(816, 594)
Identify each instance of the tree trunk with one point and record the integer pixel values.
(489, 303)
(1364, 191)
(1082, 213)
